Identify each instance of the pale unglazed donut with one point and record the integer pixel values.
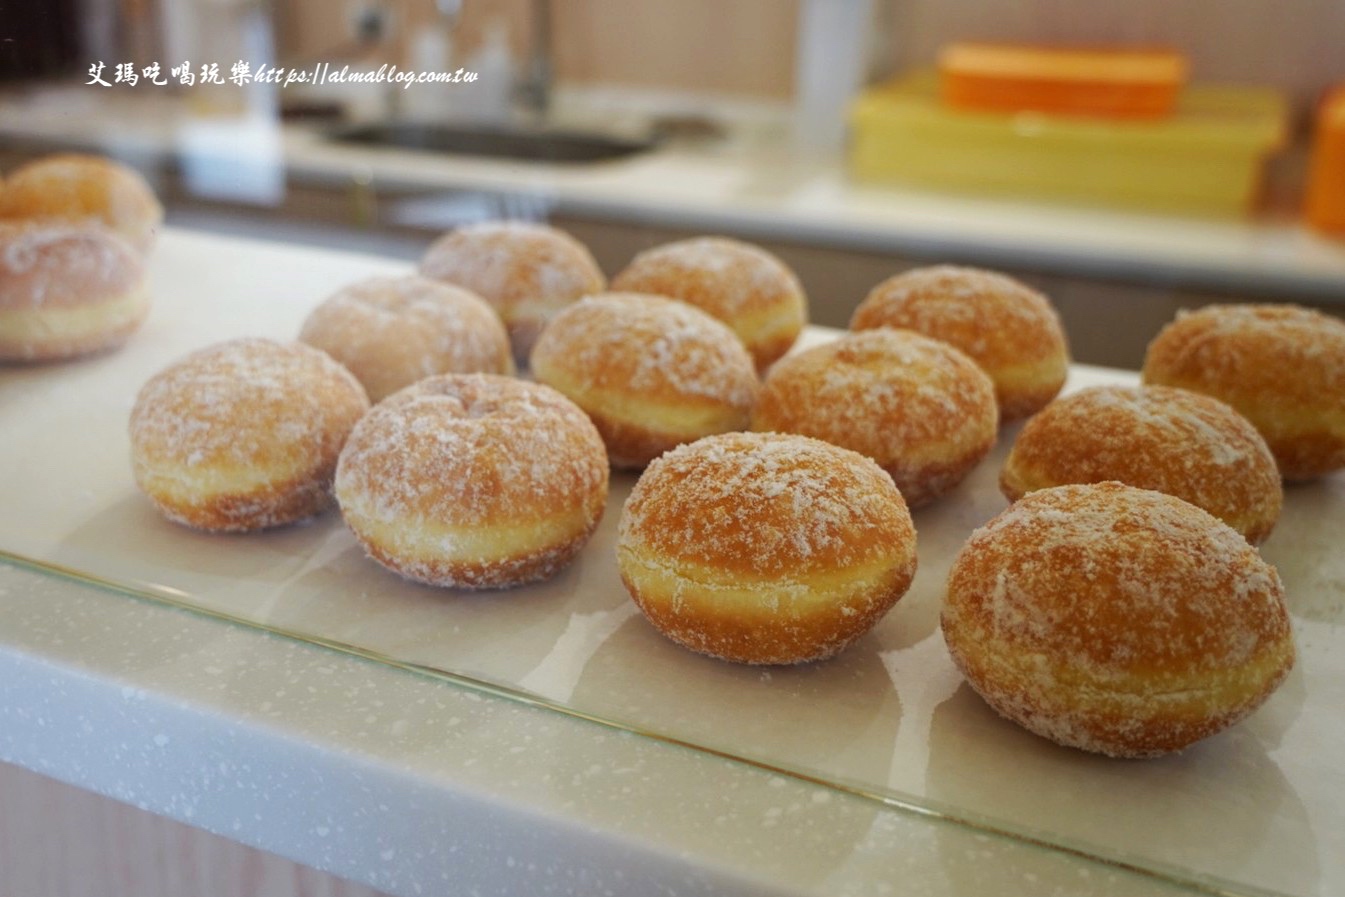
(1280, 366)
(1008, 328)
(651, 372)
(243, 435)
(67, 290)
(765, 548)
(919, 407)
(1153, 437)
(473, 481)
(392, 331)
(1117, 620)
(528, 272)
(743, 285)
(84, 189)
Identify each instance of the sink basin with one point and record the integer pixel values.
(500, 142)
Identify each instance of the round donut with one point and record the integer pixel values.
(1117, 620)
(765, 548)
(526, 271)
(67, 290)
(1008, 328)
(392, 331)
(651, 372)
(82, 189)
(742, 285)
(473, 481)
(1153, 437)
(243, 435)
(1280, 366)
(919, 407)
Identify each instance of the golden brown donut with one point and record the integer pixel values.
(67, 290)
(1008, 328)
(243, 435)
(1281, 366)
(82, 189)
(392, 331)
(651, 372)
(474, 481)
(1153, 437)
(527, 272)
(919, 407)
(1116, 620)
(743, 285)
(764, 547)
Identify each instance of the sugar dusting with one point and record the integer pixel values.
(244, 434)
(913, 404)
(472, 448)
(246, 402)
(1154, 437)
(765, 503)
(992, 317)
(652, 346)
(393, 331)
(1106, 595)
(45, 265)
(1265, 360)
(725, 277)
(512, 262)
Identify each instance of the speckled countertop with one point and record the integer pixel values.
(523, 771)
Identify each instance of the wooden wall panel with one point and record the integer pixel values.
(60, 841)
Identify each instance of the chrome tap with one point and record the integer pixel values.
(534, 90)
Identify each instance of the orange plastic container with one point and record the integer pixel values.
(1112, 83)
(1325, 206)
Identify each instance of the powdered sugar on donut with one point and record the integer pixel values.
(768, 504)
(393, 331)
(59, 265)
(653, 346)
(246, 402)
(1168, 559)
(472, 449)
(511, 262)
(1171, 440)
(725, 277)
(1080, 600)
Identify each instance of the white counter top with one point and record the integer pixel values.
(344, 758)
(752, 184)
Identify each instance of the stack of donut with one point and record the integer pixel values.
(1118, 605)
(74, 233)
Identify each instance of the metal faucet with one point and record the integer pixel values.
(534, 91)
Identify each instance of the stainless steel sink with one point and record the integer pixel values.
(533, 145)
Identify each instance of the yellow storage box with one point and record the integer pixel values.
(1206, 158)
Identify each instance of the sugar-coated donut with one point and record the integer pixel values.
(1153, 437)
(527, 271)
(243, 435)
(473, 481)
(919, 407)
(392, 331)
(1281, 366)
(765, 548)
(651, 372)
(84, 189)
(1008, 328)
(1117, 620)
(743, 285)
(67, 290)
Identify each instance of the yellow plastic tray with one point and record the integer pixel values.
(1205, 159)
